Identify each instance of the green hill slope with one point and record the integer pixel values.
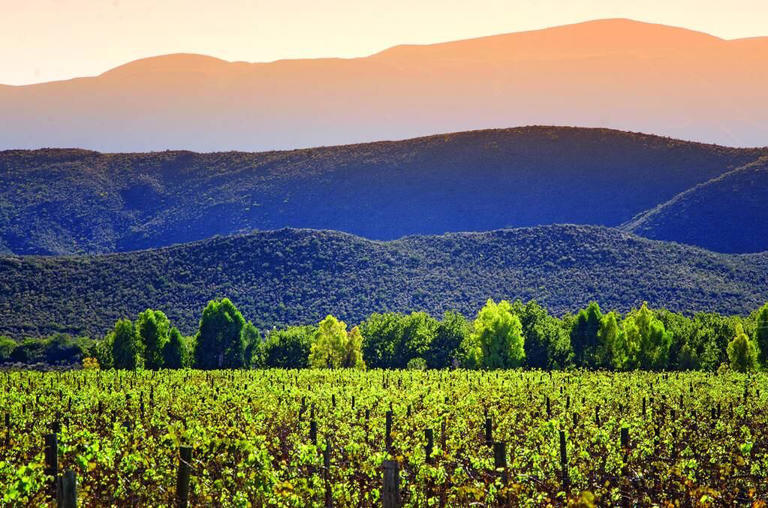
(299, 276)
(80, 202)
(727, 214)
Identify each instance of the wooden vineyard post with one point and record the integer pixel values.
(429, 436)
(182, 480)
(564, 461)
(500, 459)
(7, 430)
(390, 492)
(327, 474)
(625, 448)
(488, 431)
(313, 431)
(66, 490)
(52, 456)
(388, 431)
(443, 437)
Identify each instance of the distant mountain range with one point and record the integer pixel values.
(299, 276)
(81, 202)
(609, 73)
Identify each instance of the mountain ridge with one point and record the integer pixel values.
(299, 276)
(731, 204)
(584, 74)
(70, 201)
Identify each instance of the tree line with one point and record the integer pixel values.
(502, 335)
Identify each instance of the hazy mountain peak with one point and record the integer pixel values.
(614, 73)
(175, 62)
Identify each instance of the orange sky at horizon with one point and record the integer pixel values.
(45, 40)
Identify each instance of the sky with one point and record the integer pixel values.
(45, 40)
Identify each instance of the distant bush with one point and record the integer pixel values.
(417, 364)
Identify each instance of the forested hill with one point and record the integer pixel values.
(728, 213)
(299, 276)
(80, 202)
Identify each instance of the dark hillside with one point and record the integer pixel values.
(75, 201)
(727, 214)
(299, 276)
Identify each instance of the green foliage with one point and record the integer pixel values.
(102, 351)
(153, 328)
(219, 340)
(607, 339)
(176, 351)
(547, 344)
(584, 335)
(382, 333)
(643, 342)
(761, 335)
(288, 348)
(64, 349)
(643, 339)
(7, 345)
(333, 347)
(445, 346)
(711, 335)
(253, 345)
(29, 351)
(126, 346)
(497, 337)
(742, 352)
(417, 364)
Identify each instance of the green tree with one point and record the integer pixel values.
(7, 345)
(547, 344)
(643, 342)
(333, 347)
(584, 338)
(761, 335)
(63, 348)
(288, 348)
(607, 338)
(126, 346)
(219, 341)
(682, 329)
(742, 352)
(625, 346)
(253, 345)
(688, 358)
(710, 338)
(655, 341)
(498, 336)
(382, 334)
(354, 350)
(102, 351)
(417, 333)
(175, 351)
(444, 348)
(153, 328)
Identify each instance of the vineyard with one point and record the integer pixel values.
(330, 437)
